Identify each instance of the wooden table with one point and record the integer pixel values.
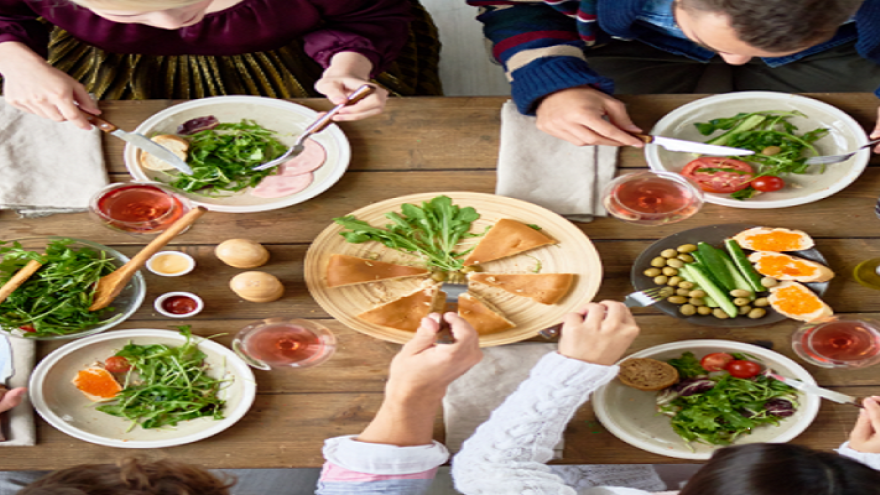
(432, 145)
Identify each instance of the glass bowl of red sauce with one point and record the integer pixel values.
(179, 304)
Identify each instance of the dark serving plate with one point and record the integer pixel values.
(714, 235)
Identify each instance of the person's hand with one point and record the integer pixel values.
(865, 436)
(424, 368)
(600, 334)
(577, 116)
(48, 92)
(12, 398)
(347, 72)
(875, 134)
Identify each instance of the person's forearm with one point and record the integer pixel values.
(404, 419)
(349, 64)
(16, 56)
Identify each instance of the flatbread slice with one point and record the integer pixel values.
(345, 270)
(545, 288)
(483, 316)
(406, 313)
(506, 238)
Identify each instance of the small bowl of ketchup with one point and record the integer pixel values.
(179, 304)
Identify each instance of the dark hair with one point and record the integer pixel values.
(781, 25)
(781, 469)
(131, 477)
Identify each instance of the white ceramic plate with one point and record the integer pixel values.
(63, 406)
(286, 118)
(631, 414)
(846, 135)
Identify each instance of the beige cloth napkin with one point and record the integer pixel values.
(21, 431)
(536, 167)
(472, 398)
(47, 167)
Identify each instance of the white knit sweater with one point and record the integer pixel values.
(507, 454)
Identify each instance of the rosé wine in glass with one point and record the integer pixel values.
(839, 343)
(137, 208)
(652, 198)
(277, 343)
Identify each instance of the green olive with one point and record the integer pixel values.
(658, 262)
(697, 301)
(652, 272)
(675, 263)
(661, 279)
(669, 253)
(686, 258)
(669, 271)
(762, 302)
(720, 314)
(740, 293)
(677, 299)
(686, 248)
(697, 293)
(757, 313)
(704, 310)
(688, 309)
(674, 281)
(438, 276)
(682, 292)
(741, 301)
(769, 282)
(666, 292)
(771, 150)
(686, 285)
(744, 310)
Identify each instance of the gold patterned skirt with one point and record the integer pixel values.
(286, 72)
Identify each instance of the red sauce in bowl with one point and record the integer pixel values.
(180, 305)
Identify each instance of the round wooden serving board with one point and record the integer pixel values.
(574, 253)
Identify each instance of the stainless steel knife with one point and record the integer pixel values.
(673, 144)
(141, 142)
(816, 390)
(6, 371)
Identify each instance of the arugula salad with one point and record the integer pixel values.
(55, 300)
(780, 149)
(164, 385)
(431, 231)
(222, 156)
(723, 397)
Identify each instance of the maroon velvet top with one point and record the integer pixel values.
(375, 28)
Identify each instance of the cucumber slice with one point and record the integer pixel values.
(744, 265)
(715, 265)
(712, 290)
(738, 279)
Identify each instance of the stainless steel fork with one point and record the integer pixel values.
(829, 159)
(638, 299)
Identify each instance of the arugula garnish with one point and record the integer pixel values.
(432, 231)
(688, 366)
(222, 158)
(166, 385)
(55, 300)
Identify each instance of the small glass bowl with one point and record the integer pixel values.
(191, 263)
(157, 304)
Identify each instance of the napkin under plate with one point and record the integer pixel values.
(21, 431)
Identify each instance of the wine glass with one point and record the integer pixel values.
(137, 208)
(277, 343)
(652, 198)
(839, 343)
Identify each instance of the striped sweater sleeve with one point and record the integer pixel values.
(358, 468)
(541, 46)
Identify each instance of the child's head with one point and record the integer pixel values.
(778, 26)
(131, 477)
(781, 469)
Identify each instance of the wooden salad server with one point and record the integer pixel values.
(109, 286)
(19, 278)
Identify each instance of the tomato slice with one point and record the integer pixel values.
(117, 364)
(743, 369)
(718, 174)
(716, 361)
(27, 328)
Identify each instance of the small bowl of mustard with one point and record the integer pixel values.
(171, 263)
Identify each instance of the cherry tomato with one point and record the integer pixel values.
(716, 361)
(117, 364)
(717, 174)
(27, 328)
(743, 369)
(768, 183)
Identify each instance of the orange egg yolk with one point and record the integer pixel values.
(775, 266)
(795, 301)
(776, 241)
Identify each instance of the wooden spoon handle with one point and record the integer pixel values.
(140, 259)
(19, 278)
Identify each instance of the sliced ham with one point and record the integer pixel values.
(311, 159)
(276, 186)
